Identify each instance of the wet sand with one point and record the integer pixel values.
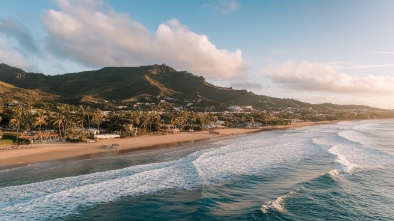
(55, 151)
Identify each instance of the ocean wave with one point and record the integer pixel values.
(353, 136)
(354, 155)
(341, 158)
(277, 205)
(61, 197)
(53, 199)
(334, 173)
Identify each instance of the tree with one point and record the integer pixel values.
(81, 113)
(154, 120)
(28, 118)
(40, 119)
(97, 117)
(144, 118)
(57, 119)
(17, 119)
(88, 112)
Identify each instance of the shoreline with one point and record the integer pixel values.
(43, 152)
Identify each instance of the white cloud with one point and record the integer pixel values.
(83, 31)
(224, 7)
(324, 78)
(246, 85)
(370, 66)
(384, 52)
(20, 33)
(13, 57)
(376, 101)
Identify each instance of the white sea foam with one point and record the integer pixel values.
(334, 173)
(57, 198)
(277, 205)
(353, 136)
(338, 151)
(359, 153)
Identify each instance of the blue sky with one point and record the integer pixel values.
(315, 51)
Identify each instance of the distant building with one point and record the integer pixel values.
(106, 113)
(14, 103)
(247, 108)
(106, 136)
(234, 108)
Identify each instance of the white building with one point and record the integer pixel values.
(234, 108)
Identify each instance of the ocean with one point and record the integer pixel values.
(342, 171)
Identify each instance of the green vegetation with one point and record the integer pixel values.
(113, 86)
(138, 83)
(131, 101)
(4, 142)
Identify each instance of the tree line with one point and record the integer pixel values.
(71, 122)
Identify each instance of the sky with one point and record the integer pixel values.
(315, 51)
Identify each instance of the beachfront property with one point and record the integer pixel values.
(40, 137)
(168, 128)
(105, 136)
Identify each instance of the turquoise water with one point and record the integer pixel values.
(341, 171)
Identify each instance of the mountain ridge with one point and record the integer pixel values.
(129, 83)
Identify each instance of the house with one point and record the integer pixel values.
(252, 125)
(106, 113)
(234, 108)
(14, 103)
(105, 136)
(168, 128)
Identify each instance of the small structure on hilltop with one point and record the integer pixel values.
(234, 108)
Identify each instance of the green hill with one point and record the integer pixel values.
(133, 83)
(123, 83)
(10, 93)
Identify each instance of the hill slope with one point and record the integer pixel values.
(123, 83)
(10, 93)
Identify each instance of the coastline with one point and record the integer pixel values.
(56, 151)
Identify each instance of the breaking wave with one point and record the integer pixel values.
(277, 205)
(62, 197)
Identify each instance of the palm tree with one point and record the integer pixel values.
(58, 120)
(97, 118)
(155, 120)
(17, 119)
(144, 118)
(68, 120)
(41, 119)
(82, 114)
(201, 119)
(88, 112)
(28, 118)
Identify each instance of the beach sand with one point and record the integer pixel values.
(55, 151)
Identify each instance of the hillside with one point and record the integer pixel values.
(133, 83)
(125, 83)
(10, 93)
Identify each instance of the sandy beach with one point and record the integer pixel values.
(55, 151)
